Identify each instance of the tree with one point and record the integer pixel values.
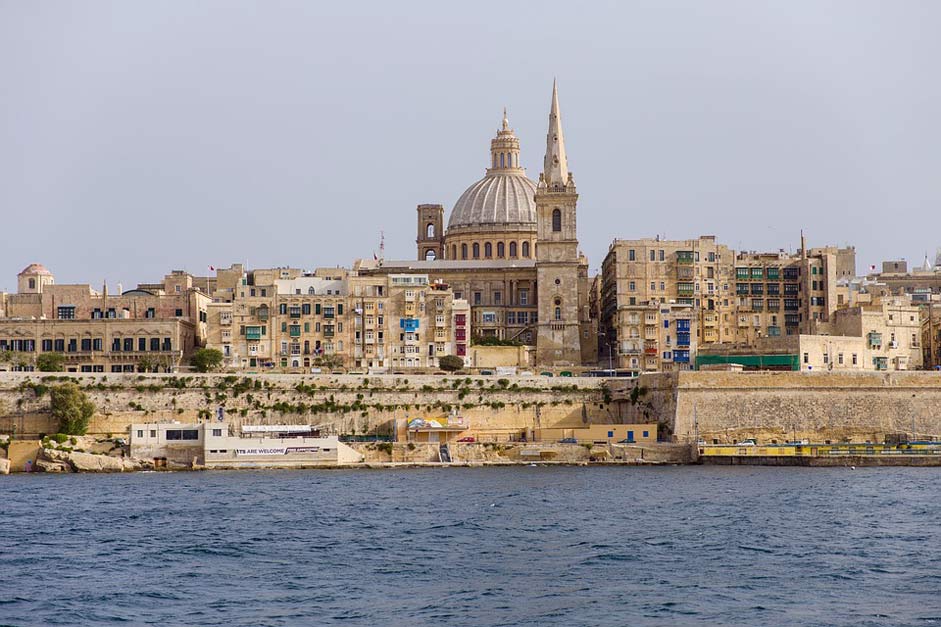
(206, 359)
(329, 361)
(71, 407)
(50, 362)
(450, 363)
(146, 363)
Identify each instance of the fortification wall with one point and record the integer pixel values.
(785, 406)
(338, 404)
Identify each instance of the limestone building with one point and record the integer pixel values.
(153, 327)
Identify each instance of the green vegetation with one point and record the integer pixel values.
(50, 362)
(206, 359)
(450, 363)
(330, 361)
(478, 340)
(71, 407)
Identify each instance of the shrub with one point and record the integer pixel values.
(206, 359)
(50, 362)
(450, 363)
(71, 407)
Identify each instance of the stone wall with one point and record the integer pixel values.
(785, 406)
(338, 404)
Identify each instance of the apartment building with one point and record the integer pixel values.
(652, 337)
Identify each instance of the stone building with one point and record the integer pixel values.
(736, 299)
(510, 250)
(153, 327)
(292, 320)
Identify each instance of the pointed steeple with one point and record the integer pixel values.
(555, 168)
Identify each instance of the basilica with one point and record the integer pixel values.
(511, 250)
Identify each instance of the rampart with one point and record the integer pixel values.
(789, 406)
(338, 404)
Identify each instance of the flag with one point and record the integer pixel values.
(872, 267)
(211, 269)
(375, 257)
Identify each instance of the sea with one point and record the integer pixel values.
(491, 546)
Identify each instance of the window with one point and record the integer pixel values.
(630, 255)
(558, 313)
(488, 250)
(526, 250)
(806, 358)
(430, 231)
(178, 313)
(653, 255)
(556, 220)
(476, 249)
(524, 296)
(463, 251)
(217, 433)
(66, 312)
(854, 359)
(631, 286)
(501, 250)
(182, 434)
(497, 298)
(512, 249)
(476, 298)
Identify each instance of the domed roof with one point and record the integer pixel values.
(504, 196)
(498, 198)
(35, 268)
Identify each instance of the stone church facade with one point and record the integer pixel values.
(511, 250)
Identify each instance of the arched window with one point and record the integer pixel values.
(526, 250)
(430, 255)
(453, 251)
(476, 249)
(502, 160)
(556, 220)
(512, 250)
(32, 284)
(488, 250)
(430, 230)
(558, 313)
(463, 251)
(501, 250)
(310, 290)
(494, 159)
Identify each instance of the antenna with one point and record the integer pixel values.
(382, 247)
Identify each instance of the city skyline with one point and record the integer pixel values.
(143, 156)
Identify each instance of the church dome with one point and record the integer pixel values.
(35, 268)
(504, 197)
(498, 199)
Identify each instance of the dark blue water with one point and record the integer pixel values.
(490, 546)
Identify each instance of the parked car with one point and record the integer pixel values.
(568, 441)
(748, 442)
(468, 438)
(545, 374)
(486, 373)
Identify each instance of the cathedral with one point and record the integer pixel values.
(511, 250)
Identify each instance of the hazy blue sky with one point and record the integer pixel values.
(136, 138)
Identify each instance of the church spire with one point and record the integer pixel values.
(555, 170)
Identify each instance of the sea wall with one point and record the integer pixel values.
(784, 406)
(337, 404)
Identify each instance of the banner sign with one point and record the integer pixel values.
(277, 450)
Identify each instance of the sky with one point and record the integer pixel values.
(141, 137)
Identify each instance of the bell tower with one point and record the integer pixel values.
(557, 258)
(430, 239)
